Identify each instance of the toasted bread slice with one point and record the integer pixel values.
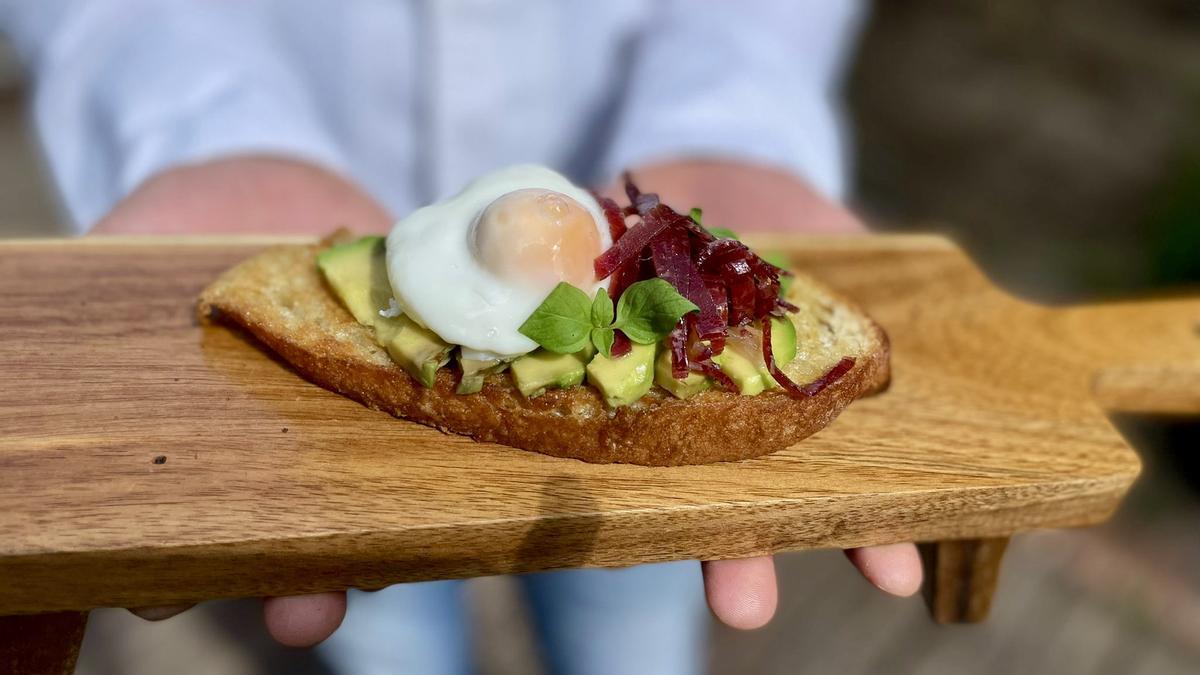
(281, 299)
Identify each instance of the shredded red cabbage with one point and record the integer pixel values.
(628, 249)
(732, 286)
(679, 356)
(672, 256)
(621, 344)
(615, 217)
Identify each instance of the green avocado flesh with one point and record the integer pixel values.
(741, 360)
(416, 349)
(783, 348)
(744, 373)
(689, 386)
(475, 371)
(625, 379)
(356, 272)
(540, 370)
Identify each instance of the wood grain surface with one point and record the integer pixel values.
(147, 460)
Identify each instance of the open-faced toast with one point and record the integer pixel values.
(281, 299)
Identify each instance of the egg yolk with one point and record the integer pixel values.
(537, 237)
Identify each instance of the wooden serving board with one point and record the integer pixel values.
(147, 460)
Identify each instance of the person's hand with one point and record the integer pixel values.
(253, 195)
(245, 195)
(748, 198)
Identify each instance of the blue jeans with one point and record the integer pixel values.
(647, 619)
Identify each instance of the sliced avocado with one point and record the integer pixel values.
(744, 373)
(357, 273)
(783, 346)
(475, 371)
(783, 340)
(689, 386)
(540, 370)
(418, 350)
(624, 379)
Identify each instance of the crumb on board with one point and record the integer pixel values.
(161, 459)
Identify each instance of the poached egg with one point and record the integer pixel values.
(473, 267)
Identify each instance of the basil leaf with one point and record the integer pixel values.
(649, 309)
(602, 310)
(562, 323)
(718, 232)
(780, 260)
(602, 338)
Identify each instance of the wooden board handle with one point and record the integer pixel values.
(41, 644)
(1146, 354)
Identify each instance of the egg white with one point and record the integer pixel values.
(439, 283)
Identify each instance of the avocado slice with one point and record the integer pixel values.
(689, 386)
(783, 347)
(625, 379)
(540, 370)
(416, 349)
(783, 340)
(357, 273)
(744, 373)
(475, 371)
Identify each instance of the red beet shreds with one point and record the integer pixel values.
(730, 284)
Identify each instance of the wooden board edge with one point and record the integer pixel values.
(66, 581)
(882, 241)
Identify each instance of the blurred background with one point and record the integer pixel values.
(1060, 144)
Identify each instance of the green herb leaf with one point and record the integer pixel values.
(780, 260)
(602, 338)
(718, 232)
(602, 309)
(649, 309)
(562, 323)
(602, 318)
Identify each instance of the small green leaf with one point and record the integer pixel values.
(649, 309)
(602, 309)
(780, 260)
(718, 232)
(562, 323)
(602, 338)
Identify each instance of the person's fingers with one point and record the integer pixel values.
(304, 620)
(159, 613)
(741, 593)
(895, 568)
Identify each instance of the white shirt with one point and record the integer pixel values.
(412, 99)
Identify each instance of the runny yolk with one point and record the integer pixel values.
(537, 237)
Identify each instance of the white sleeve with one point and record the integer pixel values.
(754, 80)
(126, 88)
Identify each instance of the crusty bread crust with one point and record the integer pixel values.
(280, 298)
